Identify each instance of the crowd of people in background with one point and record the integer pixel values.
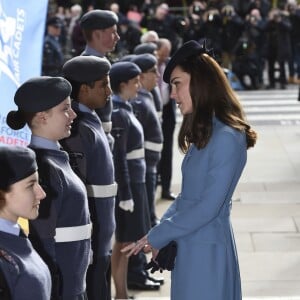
(247, 38)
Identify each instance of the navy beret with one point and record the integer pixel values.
(127, 57)
(188, 49)
(54, 21)
(98, 19)
(16, 163)
(145, 48)
(122, 72)
(38, 94)
(145, 61)
(86, 68)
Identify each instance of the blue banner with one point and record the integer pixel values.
(22, 28)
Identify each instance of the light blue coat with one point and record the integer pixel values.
(206, 266)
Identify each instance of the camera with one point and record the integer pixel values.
(277, 16)
(197, 10)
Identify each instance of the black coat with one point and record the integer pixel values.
(278, 39)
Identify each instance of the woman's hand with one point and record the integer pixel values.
(135, 248)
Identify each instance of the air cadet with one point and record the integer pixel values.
(151, 48)
(132, 213)
(137, 277)
(23, 274)
(53, 57)
(100, 31)
(61, 234)
(145, 112)
(92, 159)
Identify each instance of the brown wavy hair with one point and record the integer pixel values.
(211, 95)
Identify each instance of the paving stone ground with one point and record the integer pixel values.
(265, 217)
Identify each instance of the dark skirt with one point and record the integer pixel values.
(131, 226)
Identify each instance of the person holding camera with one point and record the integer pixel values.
(249, 61)
(278, 49)
(233, 27)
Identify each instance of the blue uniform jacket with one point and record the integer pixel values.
(91, 158)
(65, 206)
(129, 140)
(199, 219)
(26, 274)
(145, 112)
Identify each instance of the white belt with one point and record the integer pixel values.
(73, 234)
(135, 154)
(157, 147)
(107, 126)
(102, 191)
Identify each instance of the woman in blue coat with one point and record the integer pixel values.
(214, 136)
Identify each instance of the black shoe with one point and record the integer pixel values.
(168, 196)
(270, 87)
(148, 285)
(159, 280)
(282, 86)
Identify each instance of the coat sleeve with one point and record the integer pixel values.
(171, 210)
(224, 159)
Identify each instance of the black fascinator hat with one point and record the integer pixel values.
(188, 49)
